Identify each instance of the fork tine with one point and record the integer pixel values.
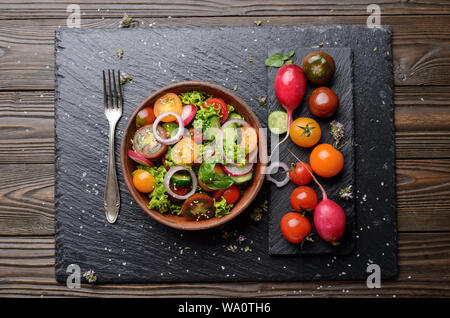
(105, 96)
(116, 96)
(110, 90)
(120, 90)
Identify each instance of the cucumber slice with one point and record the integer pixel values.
(242, 179)
(170, 128)
(278, 122)
(181, 180)
(212, 122)
(234, 115)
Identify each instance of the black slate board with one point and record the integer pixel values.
(137, 249)
(342, 85)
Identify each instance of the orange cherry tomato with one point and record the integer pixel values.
(185, 151)
(217, 169)
(326, 161)
(169, 102)
(249, 138)
(143, 181)
(305, 132)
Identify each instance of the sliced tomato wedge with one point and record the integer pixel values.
(179, 191)
(231, 194)
(198, 207)
(218, 103)
(146, 145)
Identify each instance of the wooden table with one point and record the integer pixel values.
(421, 41)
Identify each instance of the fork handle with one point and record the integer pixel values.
(112, 196)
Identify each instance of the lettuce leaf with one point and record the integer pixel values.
(194, 97)
(159, 200)
(202, 115)
(222, 208)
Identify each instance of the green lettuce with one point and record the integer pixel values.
(194, 97)
(222, 208)
(159, 200)
(202, 115)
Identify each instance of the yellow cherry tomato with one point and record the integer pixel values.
(185, 151)
(249, 139)
(143, 181)
(305, 132)
(169, 102)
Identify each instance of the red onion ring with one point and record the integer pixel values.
(175, 138)
(220, 141)
(169, 175)
(278, 164)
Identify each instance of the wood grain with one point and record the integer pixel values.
(27, 192)
(421, 57)
(26, 269)
(52, 9)
(420, 45)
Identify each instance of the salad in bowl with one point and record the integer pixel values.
(192, 155)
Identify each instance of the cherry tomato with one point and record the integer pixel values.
(318, 67)
(231, 194)
(305, 132)
(169, 102)
(323, 102)
(303, 198)
(145, 116)
(178, 190)
(145, 143)
(143, 181)
(217, 169)
(249, 139)
(299, 174)
(199, 206)
(295, 227)
(185, 151)
(218, 103)
(326, 161)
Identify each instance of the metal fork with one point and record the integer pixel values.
(113, 112)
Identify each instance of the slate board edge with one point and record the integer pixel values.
(58, 33)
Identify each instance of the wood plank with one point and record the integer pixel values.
(421, 119)
(51, 9)
(27, 192)
(27, 127)
(420, 45)
(26, 199)
(26, 269)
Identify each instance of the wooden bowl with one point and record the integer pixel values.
(182, 222)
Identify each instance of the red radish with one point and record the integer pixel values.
(139, 158)
(236, 171)
(290, 87)
(329, 217)
(187, 114)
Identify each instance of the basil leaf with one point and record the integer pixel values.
(214, 181)
(278, 59)
(275, 60)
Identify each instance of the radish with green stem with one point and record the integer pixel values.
(329, 217)
(290, 87)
